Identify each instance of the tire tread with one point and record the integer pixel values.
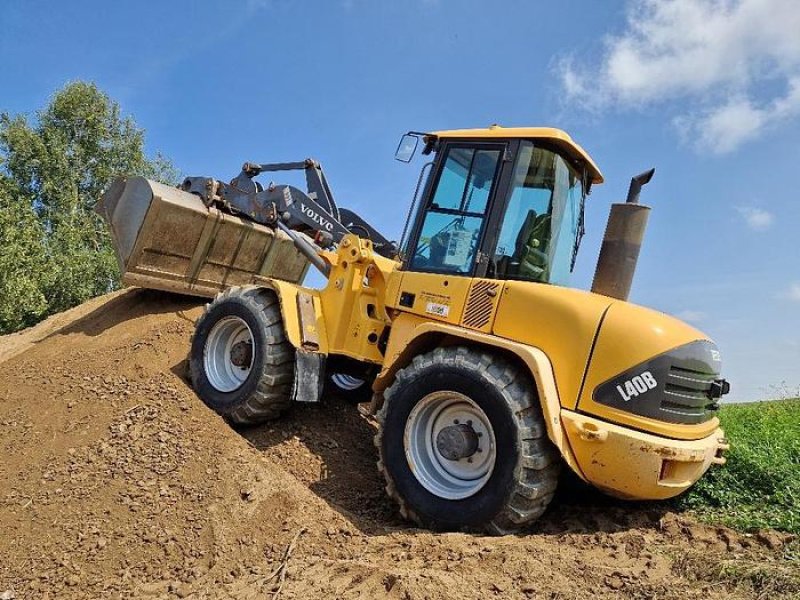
(272, 396)
(537, 472)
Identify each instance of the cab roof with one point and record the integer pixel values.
(557, 137)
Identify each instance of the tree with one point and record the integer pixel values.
(56, 252)
(22, 302)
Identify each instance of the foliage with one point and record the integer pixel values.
(22, 302)
(759, 486)
(56, 251)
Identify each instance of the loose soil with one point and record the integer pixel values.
(117, 482)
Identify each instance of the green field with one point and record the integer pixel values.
(760, 484)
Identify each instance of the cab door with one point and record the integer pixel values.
(451, 224)
(446, 256)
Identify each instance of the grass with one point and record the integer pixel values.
(759, 487)
(762, 579)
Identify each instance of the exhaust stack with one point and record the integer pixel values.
(622, 241)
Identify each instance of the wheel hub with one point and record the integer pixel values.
(455, 442)
(228, 354)
(242, 354)
(450, 445)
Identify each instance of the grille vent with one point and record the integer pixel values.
(480, 304)
(687, 395)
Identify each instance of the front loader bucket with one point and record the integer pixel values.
(168, 239)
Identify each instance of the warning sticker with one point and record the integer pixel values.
(440, 310)
(458, 248)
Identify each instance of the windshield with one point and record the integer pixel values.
(544, 219)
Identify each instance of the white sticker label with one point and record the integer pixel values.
(440, 310)
(458, 248)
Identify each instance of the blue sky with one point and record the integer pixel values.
(707, 92)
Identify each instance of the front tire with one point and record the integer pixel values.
(463, 443)
(241, 364)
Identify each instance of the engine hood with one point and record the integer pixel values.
(596, 343)
(653, 372)
(562, 322)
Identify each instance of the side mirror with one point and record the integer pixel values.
(406, 148)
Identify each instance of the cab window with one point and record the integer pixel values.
(543, 220)
(455, 215)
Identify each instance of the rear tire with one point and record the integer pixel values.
(500, 488)
(241, 364)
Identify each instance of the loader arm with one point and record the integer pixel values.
(288, 208)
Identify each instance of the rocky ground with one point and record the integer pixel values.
(117, 482)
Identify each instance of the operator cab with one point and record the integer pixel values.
(503, 203)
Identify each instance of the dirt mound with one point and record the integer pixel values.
(117, 482)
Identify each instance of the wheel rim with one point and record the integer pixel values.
(346, 382)
(450, 445)
(228, 354)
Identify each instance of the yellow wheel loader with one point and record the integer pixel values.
(486, 373)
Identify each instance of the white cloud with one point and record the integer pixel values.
(691, 316)
(727, 126)
(739, 60)
(794, 292)
(757, 219)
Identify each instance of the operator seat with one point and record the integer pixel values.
(438, 249)
(530, 251)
